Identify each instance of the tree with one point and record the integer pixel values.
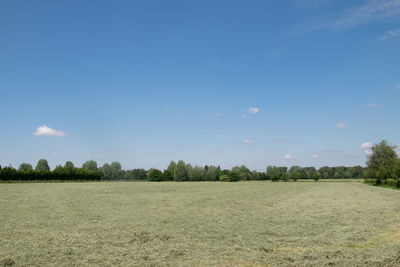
(42, 166)
(155, 175)
(171, 168)
(180, 173)
(197, 174)
(70, 166)
(326, 172)
(107, 171)
(25, 167)
(90, 165)
(116, 168)
(382, 162)
(315, 176)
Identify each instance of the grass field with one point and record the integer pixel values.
(199, 224)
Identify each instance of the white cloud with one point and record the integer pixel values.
(246, 141)
(367, 152)
(366, 145)
(390, 34)
(253, 110)
(288, 156)
(315, 156)
(54, 154)
(88, 155)
(101, 156)
(218, 115)
(341, 125)
(370, 11)
(371, 105)
(47, 131)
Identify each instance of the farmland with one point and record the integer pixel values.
(199, 223)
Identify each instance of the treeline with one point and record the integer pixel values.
(382, 165)
(179, 171)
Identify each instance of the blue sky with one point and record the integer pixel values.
(301, 82)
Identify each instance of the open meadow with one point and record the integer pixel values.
(199, 224)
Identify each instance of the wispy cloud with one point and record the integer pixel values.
(370, 11)
(371, 105)
(367, 152)
(218, 115)
(315, 156)
(101, 156)
(246, 141)
(288, 156)
(253, 110)
(390, 34)
(47, 131)
(366, 145)
(341, 125)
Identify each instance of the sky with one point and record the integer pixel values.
(301, 82)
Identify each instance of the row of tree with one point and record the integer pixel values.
(383, 163)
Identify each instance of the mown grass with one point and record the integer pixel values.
(199, 224)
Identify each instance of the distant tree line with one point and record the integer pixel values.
(383, 164)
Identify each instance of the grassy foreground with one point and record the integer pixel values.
(199, 224)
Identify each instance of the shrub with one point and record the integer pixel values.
(224, 178)
(156, 175)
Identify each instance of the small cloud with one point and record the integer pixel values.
(372, 105)
(398, 86)
(101, 156)
(218, 115)
(366, 145)
(288, 156)
(47, 131)
(315, 156)
(246, 141)
(367, 152)
(54, 154)
(88, 155)
(390, 34)
(243, 116)
(280, 140)
(253, 110)
(341, 125)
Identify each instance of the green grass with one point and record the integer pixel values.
(199, 224)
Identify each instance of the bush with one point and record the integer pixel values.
(156, 175)
(224, 178)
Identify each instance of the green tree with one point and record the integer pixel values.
(197, 174)
(180, 173)
(70, 166)
(315, 176)
(382, 162)
(171, 168)
(42, 166)
(90, 165)
(107, 171)
(326, 172)
(25, 167)
(155, 175)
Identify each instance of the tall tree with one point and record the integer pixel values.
(42, 166)
(70, 166)
(180, 173)
(383, 160)
(90, 165)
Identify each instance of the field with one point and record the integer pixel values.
(199, 224)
